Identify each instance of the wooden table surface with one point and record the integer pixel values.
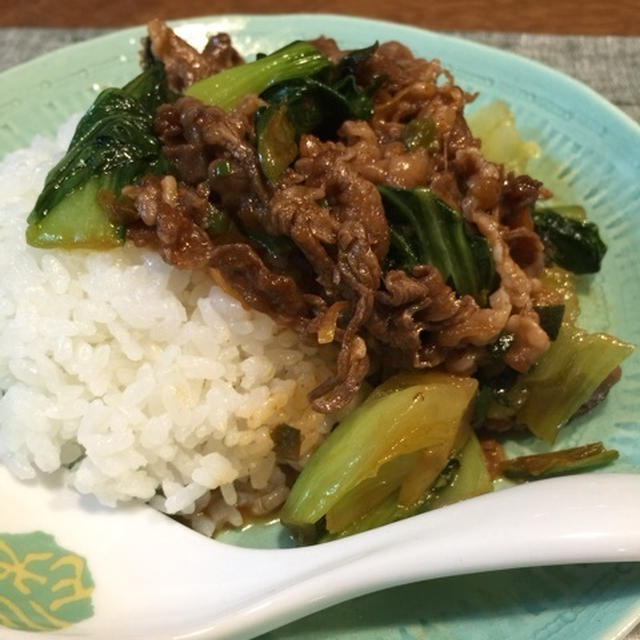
(616, 17)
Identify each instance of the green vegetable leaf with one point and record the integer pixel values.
(218, 222)
(576, 363)
(358, 100)
(571, 243)
(304, 105)
(350, 63)
(425, 230)
(286, 441)
(464, 476)
(400, 438)
(113, 146)
(504, 342)
(550, 319)
(317, 103)
(276, 247)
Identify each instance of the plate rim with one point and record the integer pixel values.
(623, 119)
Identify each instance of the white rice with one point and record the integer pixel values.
(145, 381)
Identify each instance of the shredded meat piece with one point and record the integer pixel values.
(530, 341)
(197, 138)
(349, 195)
(185, 65)
(421, 316)
(526, 249)
(220, 54)
(336, 392)
(412, 90)
(328, 47)
(476, 326)
(514, 280)
(494, 456)
(246, 274)
(601, 392)
(518, 195)
(402, 312)
(482, 181)
(383, 163)
(176, 214)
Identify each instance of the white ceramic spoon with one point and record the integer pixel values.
(156, 579)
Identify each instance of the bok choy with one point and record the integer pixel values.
(426, 230)
(316, 104)
(113, 146)
(224, 89)
(572, 243)
(565, 377)
(397, 442)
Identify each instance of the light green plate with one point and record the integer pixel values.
(594, 151)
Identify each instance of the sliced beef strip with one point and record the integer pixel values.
(177, 215)
(183, 63)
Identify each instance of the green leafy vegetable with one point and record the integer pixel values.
(286, 441)
(569, 242)
(304, 105)
(463, 477)
(555, 463)
(502, 345)
(398, 439)
(565, 377)
(495, 125)
(471, 479)
(357, 99)
(222, 169)
(350, 63)
(550, 319)
(425, 230)
(481, 407)
(218, 222)
(113, 146)
(276, 247)
(501, 384)
(226, 88)
(298, 106)
(316, 103)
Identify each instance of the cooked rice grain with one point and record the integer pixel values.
(145, 381)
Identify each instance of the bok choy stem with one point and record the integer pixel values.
(224, 89)
(397, 440)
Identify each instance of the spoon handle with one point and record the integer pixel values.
(578, 519)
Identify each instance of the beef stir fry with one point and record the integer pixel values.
(344, 194)
(327, 211)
